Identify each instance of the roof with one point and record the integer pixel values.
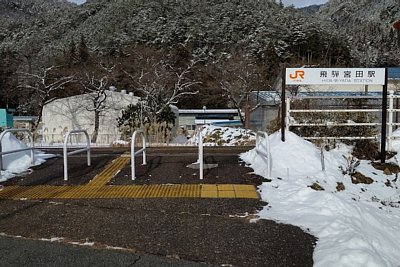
(266, 97)
(227, 123)
(25, 118)
(207, 111)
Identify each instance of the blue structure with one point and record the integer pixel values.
(6, 119)
(394, 73)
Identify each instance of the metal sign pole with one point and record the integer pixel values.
(283, 104)
(384, 118)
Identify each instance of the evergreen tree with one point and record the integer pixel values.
(83, 50)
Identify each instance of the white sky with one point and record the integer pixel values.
(303, 3)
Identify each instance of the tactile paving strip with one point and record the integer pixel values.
(110, 171)
(97, 188)
(129, 191)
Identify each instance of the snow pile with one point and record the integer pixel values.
(18, 162)
(120, 143)
(356, 224)
(224, 136)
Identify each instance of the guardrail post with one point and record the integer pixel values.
(201, 155)
(133, 153)
(266, 155)
(287, 114)
(390, 122)
(65, 151)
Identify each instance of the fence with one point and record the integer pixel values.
(291, 122)
(53, 140)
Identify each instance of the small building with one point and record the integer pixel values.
(24, 122)
(266, 110)
(189, 119)
(65, 114)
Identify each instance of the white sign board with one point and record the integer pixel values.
(338, 76)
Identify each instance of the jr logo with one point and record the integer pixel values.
(297, 74)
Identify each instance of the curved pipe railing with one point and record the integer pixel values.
(31, 148)
(133, 153)
(266, 156)
(201, 154)
(66, 154)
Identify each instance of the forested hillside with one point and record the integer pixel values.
(368, 27)
(222, 49)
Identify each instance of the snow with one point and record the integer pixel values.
(357, 226)
(19, 162)
(223, 136)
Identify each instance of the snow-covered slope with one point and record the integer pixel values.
(356, 224)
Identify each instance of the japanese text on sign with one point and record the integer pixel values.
(298, 76)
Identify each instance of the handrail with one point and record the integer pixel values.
(31, 148)
(66, 154)
(267, 156)
(133, 153)
(201, 155)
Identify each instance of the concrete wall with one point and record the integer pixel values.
(63, 115)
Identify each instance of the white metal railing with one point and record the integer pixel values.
(31, 148)
(133, 153)
(266, 156)
(201, 155)
(391, 110)
(66, 153)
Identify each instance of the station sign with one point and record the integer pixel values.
(335, 76)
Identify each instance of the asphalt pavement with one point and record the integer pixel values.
(16, 252)
(153, 232)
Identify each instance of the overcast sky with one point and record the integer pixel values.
(296, 3)
(78, 1)
(303, 3)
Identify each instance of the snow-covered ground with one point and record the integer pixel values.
(18, 162)
(223, 136)
(356, 225)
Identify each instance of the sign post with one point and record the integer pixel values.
(338, 76)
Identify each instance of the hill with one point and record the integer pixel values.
(367, 26)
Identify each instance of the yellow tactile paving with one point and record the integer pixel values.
(109, 172)
(127, 191)
(209, 194)
(98, 188)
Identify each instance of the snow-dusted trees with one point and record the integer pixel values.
(43, 86)
(8, 78)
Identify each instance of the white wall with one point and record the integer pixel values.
(63, 115)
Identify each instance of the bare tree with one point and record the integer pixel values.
(96, 84)
(43, 87)
(162, 87)
(240, 75)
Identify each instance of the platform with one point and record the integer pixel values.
(98, 188)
